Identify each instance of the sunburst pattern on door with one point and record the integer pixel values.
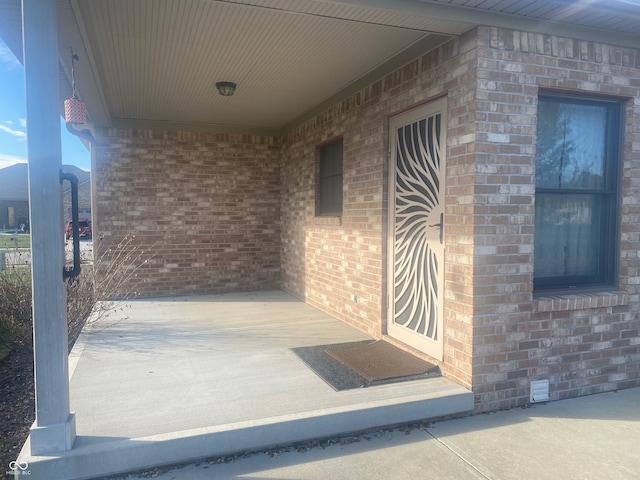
(418, 226)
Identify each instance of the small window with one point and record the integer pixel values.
(576, 193)
(330, 185)
(11, 216)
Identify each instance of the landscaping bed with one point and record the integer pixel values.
(17, 400)
(17, 403)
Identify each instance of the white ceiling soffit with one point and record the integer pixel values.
(154, 63)
(158, 61)
(68, 36)
(612, 21)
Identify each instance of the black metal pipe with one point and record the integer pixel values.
(75, 225)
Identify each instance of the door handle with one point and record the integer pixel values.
(440, 225)
(75, 225)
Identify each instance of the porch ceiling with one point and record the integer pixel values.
(160, 60)
(154, 63)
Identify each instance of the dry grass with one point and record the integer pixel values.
(15, 307)
(117, 278)
(116, 281)
(16, 317)
(117, 269)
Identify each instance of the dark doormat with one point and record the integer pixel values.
(361, 364)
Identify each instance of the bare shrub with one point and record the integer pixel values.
(16, 314)
(101, 288)
(81, 297)
(15, 307)
(115, 274)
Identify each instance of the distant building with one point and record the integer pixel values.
(14, 195)
(84, 193)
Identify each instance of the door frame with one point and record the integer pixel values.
(435, 348)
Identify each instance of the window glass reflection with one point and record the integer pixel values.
(570, 145)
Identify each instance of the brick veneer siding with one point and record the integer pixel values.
(325, 260)
(84, 199)
(262, 230)
(204, 210)
(497, 336)
(582, 343)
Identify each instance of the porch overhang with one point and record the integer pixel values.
(155, 64)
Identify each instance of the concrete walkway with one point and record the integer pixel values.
(163, 381)
(594, 437)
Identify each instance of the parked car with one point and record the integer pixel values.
(84, 227)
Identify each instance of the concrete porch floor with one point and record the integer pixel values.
(171, 380)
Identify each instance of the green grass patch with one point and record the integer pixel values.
(9, 241)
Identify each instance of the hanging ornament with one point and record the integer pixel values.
(74, 109)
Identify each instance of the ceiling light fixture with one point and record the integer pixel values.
(226, 89)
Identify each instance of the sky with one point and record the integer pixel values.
(13, 123)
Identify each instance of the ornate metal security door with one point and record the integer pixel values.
(416, 227)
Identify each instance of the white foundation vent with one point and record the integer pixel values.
(539, 391)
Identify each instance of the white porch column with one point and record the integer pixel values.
(54, 428)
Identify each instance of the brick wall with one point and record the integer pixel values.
(84, 199)
(582, 343)
(326, 260)
(497, 336)
(194, 213)
(238, 213)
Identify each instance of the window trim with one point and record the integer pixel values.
(319, 178)
(610, 195)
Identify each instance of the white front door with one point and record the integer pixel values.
(416, 227)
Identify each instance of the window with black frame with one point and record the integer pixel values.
(329, 200)
(576, 193)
